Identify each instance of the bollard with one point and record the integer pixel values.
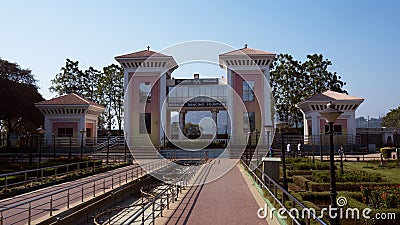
(29, 214)
(94, 188)
(5, 180)
(51, 205)
(68, 199)
(82, 192)
(152, 213)
(167, 201)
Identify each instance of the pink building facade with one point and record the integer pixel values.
(152, 95)
(315, 124)
(66, 116)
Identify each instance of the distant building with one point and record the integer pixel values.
(363, 122)
(315, 124)
(67, 115)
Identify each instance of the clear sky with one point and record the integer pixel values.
(361, 38)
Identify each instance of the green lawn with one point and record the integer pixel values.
(389, 172)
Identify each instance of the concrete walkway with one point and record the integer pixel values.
(225, 198)
(37, 206)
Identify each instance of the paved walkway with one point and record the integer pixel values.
(39, 205)
(225, 198)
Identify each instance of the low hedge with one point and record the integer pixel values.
(298, 172)
(309, 166)
(344, 186)
(301, 181)
(348, 176)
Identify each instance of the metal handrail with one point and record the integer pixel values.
(39, 172)
(251, 167)
(173, 188)
(68, 193)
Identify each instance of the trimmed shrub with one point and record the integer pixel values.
(387, 152)
(301, 181)
(348, 176)
(309, 166)
(298, 172)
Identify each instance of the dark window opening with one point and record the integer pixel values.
(145, 123)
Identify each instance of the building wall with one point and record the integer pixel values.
(138, 107)
(251, 106)
(73, 125)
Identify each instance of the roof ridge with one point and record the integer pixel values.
(85, 100)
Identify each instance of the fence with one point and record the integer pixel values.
(153, 207)
(26, 177)
(27, 211)
(274, 190)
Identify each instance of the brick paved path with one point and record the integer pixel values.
(226, 200)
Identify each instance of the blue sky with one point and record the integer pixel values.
(361, 38)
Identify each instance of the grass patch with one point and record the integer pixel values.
(388, 172)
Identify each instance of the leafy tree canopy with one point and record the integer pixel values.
(392, 118)
(104, 87)
(13, 72)
(293, 81)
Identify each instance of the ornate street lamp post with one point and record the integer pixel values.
(41, 132)
(281, 125)
(83, 131)
(331, 114)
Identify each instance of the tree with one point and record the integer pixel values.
(293, 82)
(103, 87)
(392, 118)
(18, 93)
(288, 84)
(13, 72)
(319, 77)
(70, 80)
(24, 116)
(111, 88)
(90, 82)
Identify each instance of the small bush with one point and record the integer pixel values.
(301, 181)
(387, 197)
(309, 166)
(298, 172)
(348, 176)
(387, 152)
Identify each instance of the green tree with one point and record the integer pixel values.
(318, 76)
(69, 80)
(392, 118)
(288, 84)
(91, 78)
(104, 87)
(18, 93)
(111, 88)
(13, 72)
(22, 117)
(293, 81)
